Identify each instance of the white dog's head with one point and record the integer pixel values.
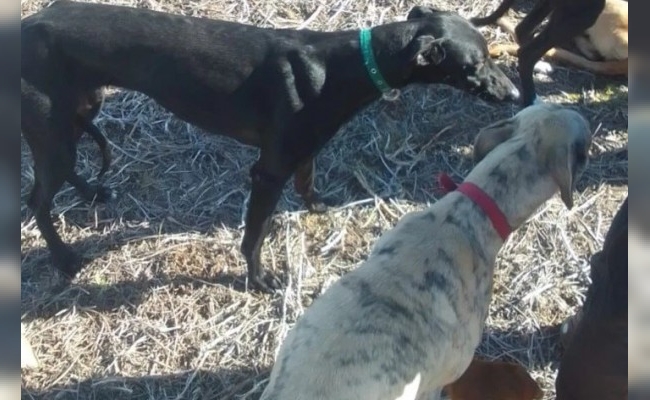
(559, 138)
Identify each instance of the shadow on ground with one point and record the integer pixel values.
(248, 384)
(198, 384)
(169, 182)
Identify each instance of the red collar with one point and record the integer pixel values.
(478, 196)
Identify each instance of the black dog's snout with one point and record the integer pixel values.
(500, 86)
(489, 82)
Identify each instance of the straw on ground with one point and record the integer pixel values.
(159, 311)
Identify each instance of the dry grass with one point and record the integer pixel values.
(159, 312)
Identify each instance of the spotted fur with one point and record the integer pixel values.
(407, 321)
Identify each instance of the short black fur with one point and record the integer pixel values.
(284, 91)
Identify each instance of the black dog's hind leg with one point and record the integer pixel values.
(94, 192)
(51, 169)
(88, 192)
(265, 194)
(303, 181)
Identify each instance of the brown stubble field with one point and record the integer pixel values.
(160, 311)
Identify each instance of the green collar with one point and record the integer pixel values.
(370, 63)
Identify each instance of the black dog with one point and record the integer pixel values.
(595, 362)
(568, 19)
(284, 91)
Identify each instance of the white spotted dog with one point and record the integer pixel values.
(407, 321)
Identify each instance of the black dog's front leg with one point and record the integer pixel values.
(303, 182)
(265, 193)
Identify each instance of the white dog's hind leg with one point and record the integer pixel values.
(434, 395)
(411, 389)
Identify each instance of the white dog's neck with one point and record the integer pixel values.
(514, 180)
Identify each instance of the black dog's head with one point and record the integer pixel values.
(447, 48)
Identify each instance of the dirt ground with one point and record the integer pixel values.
(160, 311)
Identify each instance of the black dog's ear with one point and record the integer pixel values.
(491, 136)
(419, 12)
(426, 50)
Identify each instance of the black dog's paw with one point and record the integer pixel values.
(267, 283)
(104, 194)
(98, 193)
(317, 205)
(67, 262)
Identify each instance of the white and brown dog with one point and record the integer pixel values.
(407, 321)
(603, 47)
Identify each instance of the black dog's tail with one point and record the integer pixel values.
(492, 18)
(101, 141)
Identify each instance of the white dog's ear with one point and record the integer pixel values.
(566, 160)
(491, 136)
(563, 172)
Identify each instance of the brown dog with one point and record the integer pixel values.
(603, 47)
(494, 380)
(567, 20)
